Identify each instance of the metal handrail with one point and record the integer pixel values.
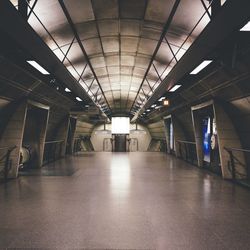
(137, 143)
(237, 149)
(103, 143)
(53, 151)
(190, 155)
(187, 142)
(50, 142)
(235, 161)
(7, 161)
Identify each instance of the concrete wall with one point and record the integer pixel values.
(98, 135)
(156, 130)
(142, 135)
(83, 128)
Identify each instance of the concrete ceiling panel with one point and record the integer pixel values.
(152, 30)
(92, 46)
(112, 60)
(98, 62)
(127, 60)
(80, 10)
(130, 27)
(132, 9)
(129, 44)
(87, 30)
(147, 46)
(139, 72)
(114, 70)
(110, 44)
(108, 27)
(105, 9)
(159, 10)
(100, 71)
(126, 70)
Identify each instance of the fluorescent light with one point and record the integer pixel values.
(78, 99)
(162, 98)
(38, 67)
(200, 67)
(246, 27)
(67, 90)
(173, 89)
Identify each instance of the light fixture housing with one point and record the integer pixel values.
(38, 67)
(203, 65)
(175, 87)
(246, 27)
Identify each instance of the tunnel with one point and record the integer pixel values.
(125, 124)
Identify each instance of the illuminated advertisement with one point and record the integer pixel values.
(206, 136)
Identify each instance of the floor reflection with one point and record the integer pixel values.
(120, 175)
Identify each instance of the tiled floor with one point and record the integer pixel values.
(124, 201)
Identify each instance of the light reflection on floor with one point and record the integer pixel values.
(120, 175)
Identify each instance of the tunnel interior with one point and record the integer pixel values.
(179, 70)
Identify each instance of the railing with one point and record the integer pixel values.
(238, 163)
(107, 141)
(5, 161)
(130, 140)
(77, 145)
(82, 143)
(187, 151)
(52, 151)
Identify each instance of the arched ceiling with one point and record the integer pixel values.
(120, 68)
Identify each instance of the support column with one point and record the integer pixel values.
(13, 136)
(227, 137)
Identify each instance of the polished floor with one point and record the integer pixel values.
(124, 201)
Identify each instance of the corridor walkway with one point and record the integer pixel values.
(124, 201)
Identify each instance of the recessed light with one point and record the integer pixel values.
(158, 107)
(201, 67)
(162, 98)
(78, 99)
(246, 27)
(148, 110)
(67, 90)
(154, 105)
(166, 102)
(174, 88)
(38, 67)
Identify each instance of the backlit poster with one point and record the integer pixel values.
(206, 136)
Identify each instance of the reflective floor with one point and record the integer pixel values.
(124, 201)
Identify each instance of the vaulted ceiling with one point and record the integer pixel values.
(119, 50)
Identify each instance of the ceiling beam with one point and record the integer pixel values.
(163, 34)
(214, 34)
(15, 27)
(81, 46)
